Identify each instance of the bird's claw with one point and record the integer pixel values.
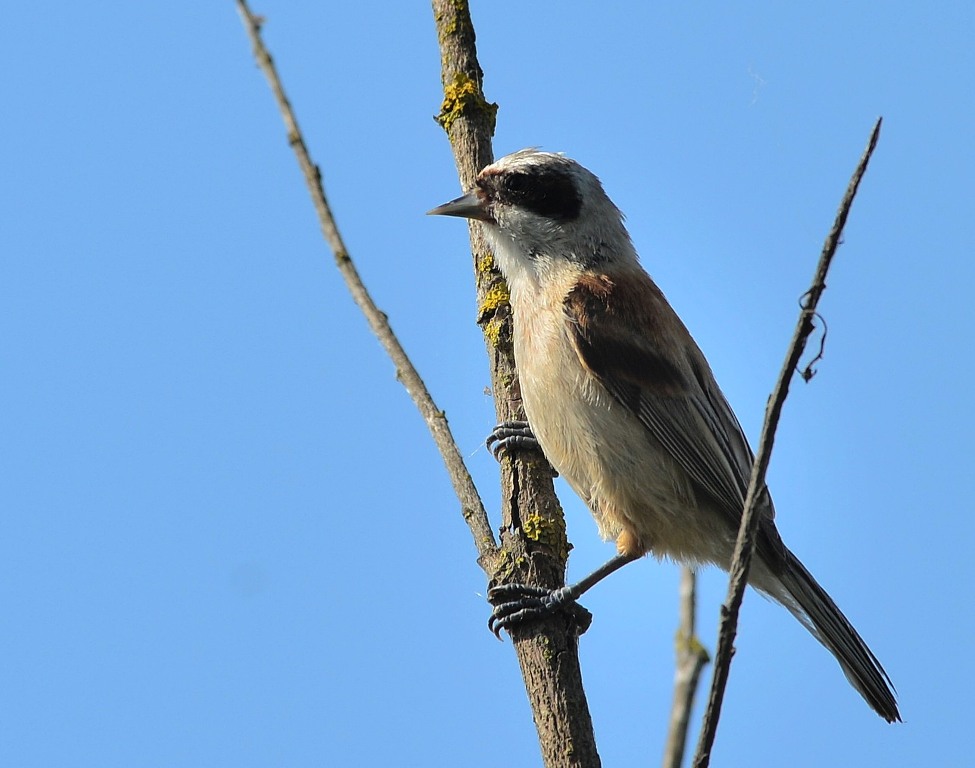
(511, 434)
(516, 604)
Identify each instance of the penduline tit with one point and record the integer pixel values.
(624, 405)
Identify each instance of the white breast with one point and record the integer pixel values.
(631, 484)
(568, 409)
(628, 480)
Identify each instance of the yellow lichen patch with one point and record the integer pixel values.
(485, 264)
(460, 15)
(461, 95)
(496, 296)
(548, 653)
(504, 566)
(492, 331)
(690, 645)
(549, 531)
(460, 7)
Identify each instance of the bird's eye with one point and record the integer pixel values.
(517, 182)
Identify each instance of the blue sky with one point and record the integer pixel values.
(226, 536)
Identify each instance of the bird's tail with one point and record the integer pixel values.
(820, 615)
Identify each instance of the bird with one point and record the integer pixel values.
(623, 404)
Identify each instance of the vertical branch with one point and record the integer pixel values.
(691, 658)
(534, 548)
(745, 544)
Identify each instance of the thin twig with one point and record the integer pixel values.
(691, 658)
(745, 543)
(473, 510)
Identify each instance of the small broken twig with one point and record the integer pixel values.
(691, 658)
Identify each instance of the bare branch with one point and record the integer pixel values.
(691, 658)
(745, 543)
(473, 509)
(534, 545)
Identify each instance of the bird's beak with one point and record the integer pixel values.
(470, 206)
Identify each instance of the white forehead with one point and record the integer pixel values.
(532, 157)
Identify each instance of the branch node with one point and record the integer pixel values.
(809, 372)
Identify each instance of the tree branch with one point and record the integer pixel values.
(473, 509)
(533, 540)
(691, 658)
(534, 545)
(745, 542)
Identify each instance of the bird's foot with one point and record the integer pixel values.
(517, 604)
(510, 435)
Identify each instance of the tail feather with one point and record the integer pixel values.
(821, 616)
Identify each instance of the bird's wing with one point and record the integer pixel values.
(628, 336)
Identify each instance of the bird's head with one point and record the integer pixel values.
(544, 211)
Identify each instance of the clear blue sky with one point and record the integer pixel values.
(226, 538)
